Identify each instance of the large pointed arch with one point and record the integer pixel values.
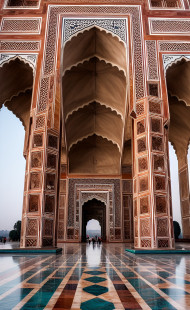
(16, 83)
(94, 85)
(16, 78)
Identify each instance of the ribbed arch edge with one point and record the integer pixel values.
(91, 135)
(90, 102)
(15, 111)
(113, 65)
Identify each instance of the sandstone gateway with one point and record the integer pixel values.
(101, 87)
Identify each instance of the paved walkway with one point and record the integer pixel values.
(9, 245)
(99, 277)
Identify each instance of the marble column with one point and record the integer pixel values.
(41, 181)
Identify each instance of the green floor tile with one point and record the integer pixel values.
(95, 279)
(98, 304)
(96, 289)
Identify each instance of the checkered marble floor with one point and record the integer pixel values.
(100, 277)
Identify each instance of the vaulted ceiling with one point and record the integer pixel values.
(94, 87)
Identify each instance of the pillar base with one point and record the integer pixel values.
(156, 251)
(32, 250)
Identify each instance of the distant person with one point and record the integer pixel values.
(5, 239)
(99, 240)
(93, 241)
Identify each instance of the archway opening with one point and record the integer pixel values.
(94, 210)
(174, 176)
(178, 87)
(93, 229)
(12, 167)
(16, 78)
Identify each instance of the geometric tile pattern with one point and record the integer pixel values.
(104, 277)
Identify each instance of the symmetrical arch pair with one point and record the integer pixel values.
(94, 96)
(94, 99)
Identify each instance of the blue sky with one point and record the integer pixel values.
(12, 170)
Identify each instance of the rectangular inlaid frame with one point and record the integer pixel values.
(21, 7)
(105, 190)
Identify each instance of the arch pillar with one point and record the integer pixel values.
(184, 191)
(42, 167)
(153, 224)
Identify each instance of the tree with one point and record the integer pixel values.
(17, 227)
(177, 229)
(14, 235)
